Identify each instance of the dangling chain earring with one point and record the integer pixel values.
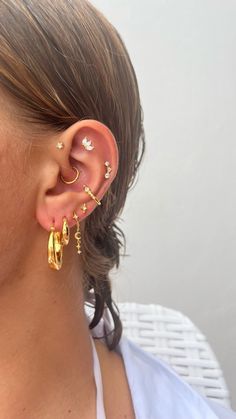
(77, 234)
(65, 232)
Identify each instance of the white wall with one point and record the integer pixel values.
(180, 219)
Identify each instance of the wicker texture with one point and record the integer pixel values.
(173, 337)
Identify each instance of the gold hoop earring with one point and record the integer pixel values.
(71, 181)
(65, 232)
(55, 249)
(88, 191)
(77, 234)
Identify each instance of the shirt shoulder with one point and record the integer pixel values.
(159, 392)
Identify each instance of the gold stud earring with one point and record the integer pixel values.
(77, 234)
(84, 208)
(88, 191)
(60, 145)
(87, 144)
(108, 170)
(76, 176)
(55, 249)
(65, 232)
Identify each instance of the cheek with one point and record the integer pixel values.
(14, 200)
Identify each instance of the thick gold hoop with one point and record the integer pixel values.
(55, 249)
(71, 181)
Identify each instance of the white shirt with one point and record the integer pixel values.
(157, 391)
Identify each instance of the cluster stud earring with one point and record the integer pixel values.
(108, 170)
(87, 144)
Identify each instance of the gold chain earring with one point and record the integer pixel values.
(55, 249)
(77, 234)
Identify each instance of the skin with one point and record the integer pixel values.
(45, 353)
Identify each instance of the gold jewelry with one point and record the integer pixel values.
(65, 232)
(60, 145)
(84, 208)
(71, 181)
(87, 144)
(77, 234)
(55, 249)
(88, 191)
(108, 168)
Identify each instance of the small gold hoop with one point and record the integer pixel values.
(71, 181)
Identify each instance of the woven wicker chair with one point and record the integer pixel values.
(174, 338)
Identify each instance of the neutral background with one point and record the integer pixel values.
(180, 218)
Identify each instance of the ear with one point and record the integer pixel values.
(56, 198)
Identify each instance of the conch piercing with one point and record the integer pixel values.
(71, 181)
(108, 168)
(87, 144)
(88, 191)
(77, 234)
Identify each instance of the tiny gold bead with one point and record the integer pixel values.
(60, 145)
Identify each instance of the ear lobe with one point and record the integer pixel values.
(90, 147)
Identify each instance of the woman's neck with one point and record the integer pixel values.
(46, 358)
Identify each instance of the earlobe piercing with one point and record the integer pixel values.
(71, 181)
(65, 232)
(87, 144)
(55, 249)
(56, 241)
(88, 191)
(108, 170)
